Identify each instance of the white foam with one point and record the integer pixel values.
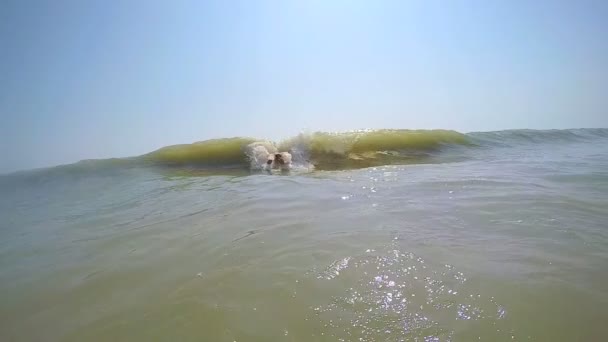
(259, 152)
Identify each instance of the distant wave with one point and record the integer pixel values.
(328, 150)
(526, 136)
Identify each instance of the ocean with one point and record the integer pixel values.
(386, 235)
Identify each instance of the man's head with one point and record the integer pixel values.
(279, 161)
(277, 158)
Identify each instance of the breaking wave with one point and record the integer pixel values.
(328, 150)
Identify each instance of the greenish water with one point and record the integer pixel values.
(501, 238)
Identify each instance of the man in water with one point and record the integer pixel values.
(280, 161)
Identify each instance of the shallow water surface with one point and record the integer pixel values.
(509, 242)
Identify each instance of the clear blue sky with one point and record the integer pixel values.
(98, 79)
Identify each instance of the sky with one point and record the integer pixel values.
(98, 79)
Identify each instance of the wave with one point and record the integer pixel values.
(360, 149)
(214, 153)
(320, 150)
(517, 137)
(327, 150)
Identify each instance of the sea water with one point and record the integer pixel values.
(502, 236)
